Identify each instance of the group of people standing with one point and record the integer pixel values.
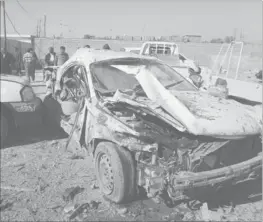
(29, 60)
(53, 59)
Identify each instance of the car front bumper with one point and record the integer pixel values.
(249, 169)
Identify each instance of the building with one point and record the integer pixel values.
(136, 38)
(191, 38)
(175, 38)
(148, 38)
(23, 42)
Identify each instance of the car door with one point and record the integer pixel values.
(75, 123)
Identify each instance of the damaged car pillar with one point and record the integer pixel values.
(139, 138)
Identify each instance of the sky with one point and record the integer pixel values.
(75, 18)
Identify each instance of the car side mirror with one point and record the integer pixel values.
(197, 80)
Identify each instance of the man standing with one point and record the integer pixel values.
(61, 57)
(50, 57)
(18, 61)
(35, 59)
(6, 61)
(29, 63)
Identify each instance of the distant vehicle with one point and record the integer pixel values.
(147, 126)
(20, 106)
(167, 52)
(135, 50)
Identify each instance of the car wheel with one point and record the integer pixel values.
(4, 129)
(115, 171)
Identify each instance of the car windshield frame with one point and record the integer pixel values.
(177, 79)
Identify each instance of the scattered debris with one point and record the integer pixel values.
(122, 211)
(94, 186)
(205, 212)
(16, 189)
(78, 210)
(209, 215)
(70, 193)
(69, 207)
(17, 164)
(94, 204)
(5, 206)
(77, 157)
(42, 184)
(156, 199)
(21, 167)
(165, 218)
(53, 142)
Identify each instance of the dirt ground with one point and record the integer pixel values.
(37, 173)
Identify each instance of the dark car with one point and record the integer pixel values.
(20, 107)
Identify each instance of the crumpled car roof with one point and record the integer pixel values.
(91, 55)
(88, 56)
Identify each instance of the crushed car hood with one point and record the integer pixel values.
(204, 114)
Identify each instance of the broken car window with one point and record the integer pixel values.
(74, 85)
(112, 75)
(169, 78)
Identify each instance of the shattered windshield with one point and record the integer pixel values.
(111, 75)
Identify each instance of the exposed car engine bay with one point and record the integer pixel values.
(171, 154)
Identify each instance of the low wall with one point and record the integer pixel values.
(203, 53)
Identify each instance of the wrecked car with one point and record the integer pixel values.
(147, 126)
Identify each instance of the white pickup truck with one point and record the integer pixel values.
(167, 52)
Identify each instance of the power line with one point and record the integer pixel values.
(22, 7)
(12, 23)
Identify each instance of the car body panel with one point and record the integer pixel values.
(135, 50)
(201, 113)
(10, 91)
(173, 47)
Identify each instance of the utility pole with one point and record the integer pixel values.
(235, 33)
(45, 20)
(40, 28)
(37, 29)
(4, 16)
(241, 35)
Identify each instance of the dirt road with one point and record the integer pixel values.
(36, 171)
(38, 177)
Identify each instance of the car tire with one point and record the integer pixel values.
(4, 130)
(115, 171)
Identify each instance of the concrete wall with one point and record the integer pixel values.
(204, 53)
(11, 44)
